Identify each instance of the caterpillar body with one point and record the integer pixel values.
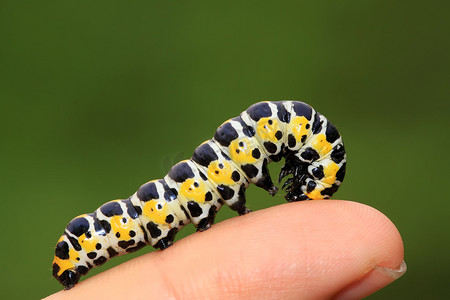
(218, 173)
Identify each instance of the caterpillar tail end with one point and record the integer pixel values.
(311, 180)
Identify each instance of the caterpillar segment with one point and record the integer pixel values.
(218, 173)
(228, 181)
(239, 142)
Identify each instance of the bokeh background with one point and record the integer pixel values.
(99, 97)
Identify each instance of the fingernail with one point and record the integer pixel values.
(376, 279)
(393, 273)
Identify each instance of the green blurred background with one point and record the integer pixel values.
(99, 97)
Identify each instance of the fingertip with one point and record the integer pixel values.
(373, 230)
(380, 255)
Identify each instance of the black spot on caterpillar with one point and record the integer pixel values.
(218, 173)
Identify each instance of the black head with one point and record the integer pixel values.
(68, 278)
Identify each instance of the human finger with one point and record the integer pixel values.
(304, 250)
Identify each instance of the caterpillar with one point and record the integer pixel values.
(218, 173)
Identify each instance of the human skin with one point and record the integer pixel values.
(323, 249)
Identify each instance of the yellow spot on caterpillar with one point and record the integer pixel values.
(88, 244)
(156, 212)
(321, 145)
(329, 172)
(267, 128)
(315, 194)
(298, 127)
(220, 172)
(121, 225)
(241, 152)
(193, 190)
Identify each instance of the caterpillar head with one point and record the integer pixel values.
(64, 264)
(70, 261)
(68, 278)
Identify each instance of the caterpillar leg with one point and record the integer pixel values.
(266, 181)
(206, 223)
(239, 204)
(167, 241)
(293, 186)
